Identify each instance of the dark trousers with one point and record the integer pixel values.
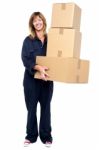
(35, 91)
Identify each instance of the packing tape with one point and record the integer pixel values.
(61, 30)
(79, 64)
(78, 71)
(63, 6)
(59, 53)
(77, 79)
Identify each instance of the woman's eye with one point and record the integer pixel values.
(39, 20)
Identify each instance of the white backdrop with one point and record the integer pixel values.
(75, 107)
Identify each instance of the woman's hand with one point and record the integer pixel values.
(44, 75)
(42, 71)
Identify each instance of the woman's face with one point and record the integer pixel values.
(38, 23)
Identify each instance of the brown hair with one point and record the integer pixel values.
(31, 27)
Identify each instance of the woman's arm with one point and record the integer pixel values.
(29, 61)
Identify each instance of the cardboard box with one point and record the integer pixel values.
(67, 15)
(63, 43)
(68, 70)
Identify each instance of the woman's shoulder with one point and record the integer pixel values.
(27, 38)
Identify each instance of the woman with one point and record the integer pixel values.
(37, 90)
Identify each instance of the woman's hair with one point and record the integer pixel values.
(31, 27)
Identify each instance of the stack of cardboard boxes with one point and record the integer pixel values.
(63, 48)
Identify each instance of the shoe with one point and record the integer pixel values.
(26, 143)
(48, 144)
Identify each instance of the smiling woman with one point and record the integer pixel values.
(37, 90)
(37, 22)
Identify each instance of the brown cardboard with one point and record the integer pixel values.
(63, 42)
(67, 15)
(68, 70)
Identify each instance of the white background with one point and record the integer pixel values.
(75, 107)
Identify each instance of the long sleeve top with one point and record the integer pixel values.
(30, 49)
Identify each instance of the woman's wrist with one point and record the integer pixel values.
(39, 68)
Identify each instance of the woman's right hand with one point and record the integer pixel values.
(44, 75)
(42, 70)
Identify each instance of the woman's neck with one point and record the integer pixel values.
(40, 35)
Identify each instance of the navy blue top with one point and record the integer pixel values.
(30, 49)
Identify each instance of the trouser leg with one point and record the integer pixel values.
(45, 118)
(31, 99)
